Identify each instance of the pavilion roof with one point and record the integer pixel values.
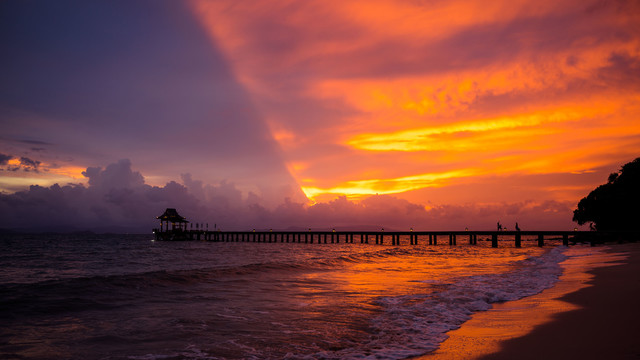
(172, 215)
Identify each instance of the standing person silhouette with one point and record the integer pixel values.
(517, 227)
(499, 226)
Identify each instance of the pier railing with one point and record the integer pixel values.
(392, 237)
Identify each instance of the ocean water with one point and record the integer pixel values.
(128, 297)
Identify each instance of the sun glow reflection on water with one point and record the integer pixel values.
(130, 297)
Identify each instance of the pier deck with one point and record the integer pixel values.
(395, 238)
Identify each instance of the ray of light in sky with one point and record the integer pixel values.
(444, 104)
(379, 93)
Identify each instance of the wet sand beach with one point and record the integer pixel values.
(587, 315)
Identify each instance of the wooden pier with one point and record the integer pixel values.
(394, 238)
(173, 227)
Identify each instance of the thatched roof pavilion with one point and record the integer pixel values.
(171, 215)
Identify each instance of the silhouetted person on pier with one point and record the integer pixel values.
(499, 226)
(517, 227)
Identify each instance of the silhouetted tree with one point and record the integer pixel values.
(616, 204)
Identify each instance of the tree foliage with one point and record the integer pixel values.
(614, 205)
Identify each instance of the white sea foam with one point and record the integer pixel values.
(413, 325)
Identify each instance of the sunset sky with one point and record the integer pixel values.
(431, 114)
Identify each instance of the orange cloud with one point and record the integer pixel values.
(426, 139)
(21, 172)
(73, 172)
(387, 97)
(387, 186)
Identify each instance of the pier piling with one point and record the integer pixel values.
(430, 238)
(540, 240)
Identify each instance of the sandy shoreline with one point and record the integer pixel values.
(587, 315)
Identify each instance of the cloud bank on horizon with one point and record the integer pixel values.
(117, 199)
(453, 113)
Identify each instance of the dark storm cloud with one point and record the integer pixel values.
(29, 164)
(116, 199)
(118, 175)
(24, 163)
(4, 159)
